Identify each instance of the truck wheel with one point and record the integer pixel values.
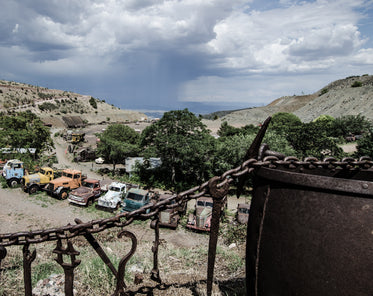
(90, 202)
(13, 182)
(63, 194)
(33, 189)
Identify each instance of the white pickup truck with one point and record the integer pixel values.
(113, 198)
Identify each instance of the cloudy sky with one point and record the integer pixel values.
(168, 54)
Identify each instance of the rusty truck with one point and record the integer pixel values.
(60, 187)
(86, 194)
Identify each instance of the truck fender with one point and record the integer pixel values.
(58, 189)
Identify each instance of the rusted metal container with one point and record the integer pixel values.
(310, 232)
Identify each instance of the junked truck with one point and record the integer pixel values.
(35, 182)
(87, 193)
(13, 171)
(137, 198)
(170, 217)
(242, 214)
(60, 187)
(201, 219)
(113, 198)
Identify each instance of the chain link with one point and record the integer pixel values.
(151, 210)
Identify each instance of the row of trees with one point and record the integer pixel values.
(190, 155)
(24, 130)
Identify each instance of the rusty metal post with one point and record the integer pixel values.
(122, 264)
(96, 246)
(68, 268)
(3, 253)
(155, 271)
(28, 258)
(218, 195)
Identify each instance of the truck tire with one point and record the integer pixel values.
(63, 194)
(90, 202)
(33, 189)
(13, 182)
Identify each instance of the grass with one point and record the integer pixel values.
(44, 270)
(43, 199)
(93, 210)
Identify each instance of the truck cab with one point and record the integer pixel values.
(112, 199)
(60, 187)
(170, 217)
(87, 193)
(135, 199)
(242, 214)
(201, 219)
(13, 171)
(35, 182)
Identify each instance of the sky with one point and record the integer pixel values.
(170, 54)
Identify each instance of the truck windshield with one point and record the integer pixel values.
(67, 175)
(87, 184)
(201, 203)
(244, 210)
(42, 172)
(134, 196)
(112, 188)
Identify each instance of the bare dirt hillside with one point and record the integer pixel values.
(350, 96)
(51, 105)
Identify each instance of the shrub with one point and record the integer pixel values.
(93, 102)
(357, 84)
(323, 91)
(47, 106)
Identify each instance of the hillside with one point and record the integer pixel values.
(350, 96)
(51, 105)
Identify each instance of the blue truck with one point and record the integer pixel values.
(13, 171)
(136, 198)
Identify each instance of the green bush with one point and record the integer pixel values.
(47, 106)
(93, 102)
(357, 84)
(323, 91)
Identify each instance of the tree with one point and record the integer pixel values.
(365, 145)
(350, 124)
(230, 151)
(117, 143)
(24, 130)
(227, 130)
(311, 139)
(283, 122)
(184, 145)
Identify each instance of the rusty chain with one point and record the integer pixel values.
(151, 210)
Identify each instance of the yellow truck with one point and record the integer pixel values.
(37, 181)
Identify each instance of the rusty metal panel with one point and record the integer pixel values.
(310, 235)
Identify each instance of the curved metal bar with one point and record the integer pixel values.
(122, 264)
